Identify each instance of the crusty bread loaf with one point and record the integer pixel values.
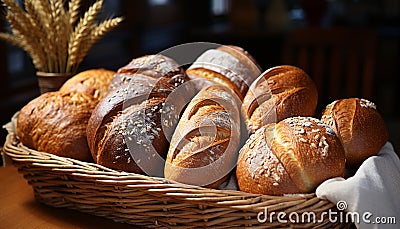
(278, 93)
(204, 146)
(359, 126)
(227, 65)
(292, 156)
(55, 122)
(127, 128)
(94, 82)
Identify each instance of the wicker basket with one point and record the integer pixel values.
(150, 201)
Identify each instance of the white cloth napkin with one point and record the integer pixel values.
(373, 192)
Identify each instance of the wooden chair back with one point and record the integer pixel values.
(341, 61)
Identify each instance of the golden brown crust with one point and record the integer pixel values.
(278, 93)
(55, 122)
(359, 126)
(204, 146)
(296, 154)
(310, 151)
(93, 82)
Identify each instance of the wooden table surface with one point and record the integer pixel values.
(19, 209)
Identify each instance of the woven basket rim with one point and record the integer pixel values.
(160, 188)
(12, 142)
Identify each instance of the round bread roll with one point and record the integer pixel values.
(55, 122)
(278, 93)
(94, 82)
(292, 156)
(359, 126)
(228, 65)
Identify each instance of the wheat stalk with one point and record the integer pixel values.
(61, 21)
(54, 37)
(97, 33)
(21, 25)
(73, 11)
(81, 32)
(35, 10)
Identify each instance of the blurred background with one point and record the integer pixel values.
(351, 48)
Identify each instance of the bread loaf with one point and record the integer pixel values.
(227, 65)
(55, 122)
(204, 146)
(127, 128)
(359, 126)
(278, 93)
(94, 82)
(292, 156)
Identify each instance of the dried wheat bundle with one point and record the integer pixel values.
(52, 34)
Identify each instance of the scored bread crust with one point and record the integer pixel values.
(259, 170)
(297, 154)
(278, 93)
(204, 146)
(359, 126)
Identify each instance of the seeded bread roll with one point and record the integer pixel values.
(55, 122)
(94, 82)
(278, 93)
(230, 66)
(204, 146)
(127, 130)
(292, 156)
(359, 126)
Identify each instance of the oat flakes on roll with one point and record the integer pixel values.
(292, 156)
(278, 93)
(359, 126)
